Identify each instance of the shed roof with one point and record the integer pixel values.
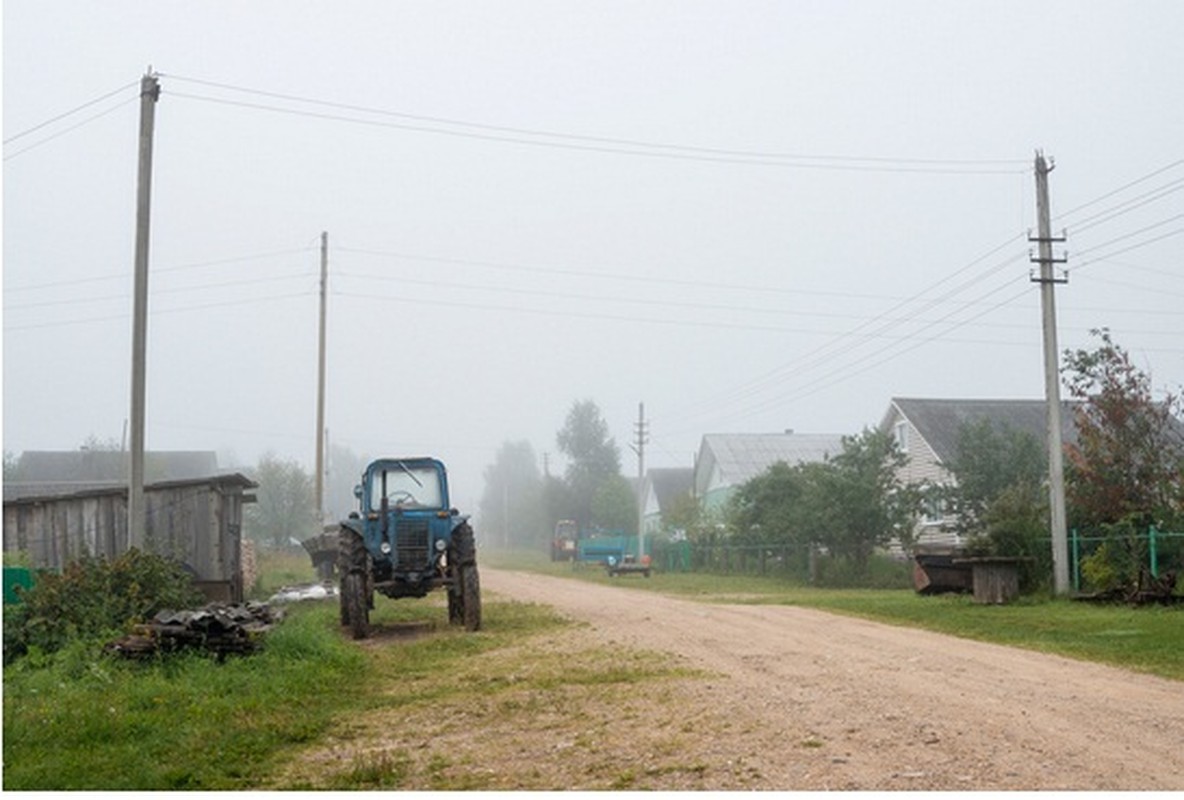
(37, 491)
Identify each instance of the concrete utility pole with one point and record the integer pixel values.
(320, 482)
(137, 522)
(639, 448)
(1052, 379)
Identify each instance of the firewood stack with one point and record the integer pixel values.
(220, 628)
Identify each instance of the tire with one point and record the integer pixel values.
(470, 586)
(462, 558)
(353, 591)
(352, 558)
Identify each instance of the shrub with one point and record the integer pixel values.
(92, 598)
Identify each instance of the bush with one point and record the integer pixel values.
(92, 598)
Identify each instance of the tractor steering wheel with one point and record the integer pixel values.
(401, 497)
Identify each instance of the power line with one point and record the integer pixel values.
(609, 143)
(155, 292)
(1128, 206)
(1120, 189)
(155, 312)
(64, 131)
(72, 111)
(156, 270)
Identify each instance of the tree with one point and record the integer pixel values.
(345, 468)
(1126, 471)
(592, 453)
(511, 506)
(285, 506)
(1128, 462)
(857, 500)
(614, 506)
(11, 466)
(990, 459)
(849, 505)
(768, 508)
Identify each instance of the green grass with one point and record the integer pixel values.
(80, 720)
(1149, 639)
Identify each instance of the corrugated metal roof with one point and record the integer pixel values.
(740, 457)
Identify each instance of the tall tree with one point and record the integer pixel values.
(511, 507)
(864, 505)
(614, 506)
(990, 459)
(345, 471)
(1128, 462)
(593, 456)
(285, 503)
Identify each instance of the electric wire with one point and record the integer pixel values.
(64, 131)
(621, 150)
(155, 270)
(599, 140)
(1120, 189)
(72, 111)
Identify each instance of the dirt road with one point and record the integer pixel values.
(819, 701)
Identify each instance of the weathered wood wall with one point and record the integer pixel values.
(198, 522)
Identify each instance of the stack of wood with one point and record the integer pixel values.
(220, 628)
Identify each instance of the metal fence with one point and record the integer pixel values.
(774, 560)
(1159, 551)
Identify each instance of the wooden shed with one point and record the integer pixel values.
(197, 521)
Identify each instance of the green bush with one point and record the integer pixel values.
(92, 598)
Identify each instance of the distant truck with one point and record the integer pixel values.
(565, 542)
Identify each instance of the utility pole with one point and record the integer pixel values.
(639, 448)
(320, 483)
(1052, 378)
(137, 522)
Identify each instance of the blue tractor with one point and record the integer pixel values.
(404, 541)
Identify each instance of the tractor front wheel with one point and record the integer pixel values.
(470, 591)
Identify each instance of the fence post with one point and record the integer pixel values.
(1151, 547)
(1076, 562)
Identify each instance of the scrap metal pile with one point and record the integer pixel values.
(220, 628)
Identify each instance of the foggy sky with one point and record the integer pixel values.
(532, 203)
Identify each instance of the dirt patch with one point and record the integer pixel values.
(769, 697)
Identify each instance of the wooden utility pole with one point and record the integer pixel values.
(1052, 379)
(137, 523)
(320, 482)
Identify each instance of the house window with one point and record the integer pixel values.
(902, 436)
(933, 508)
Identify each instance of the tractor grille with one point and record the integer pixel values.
(411, 545)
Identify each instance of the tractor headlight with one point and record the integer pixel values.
(385, 547)
(440, 545)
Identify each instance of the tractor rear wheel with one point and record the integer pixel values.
(353, 591)
(352, 559)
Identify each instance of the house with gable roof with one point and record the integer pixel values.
(661, 490)
(927, 431)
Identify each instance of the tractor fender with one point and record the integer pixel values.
(458, 521)
(354, 525)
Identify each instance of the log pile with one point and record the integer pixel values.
(219, 628)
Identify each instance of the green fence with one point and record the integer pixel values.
(775, 560)
(1159, 551)
(14, 577)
